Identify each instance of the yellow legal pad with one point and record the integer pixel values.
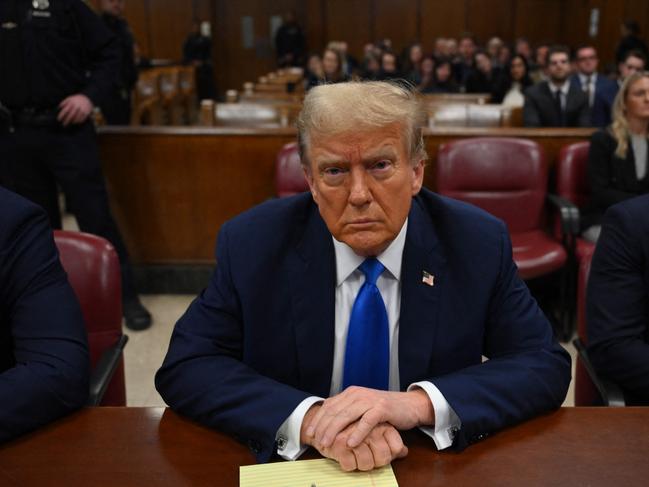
(306, 473)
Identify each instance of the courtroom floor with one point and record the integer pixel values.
(146, 349)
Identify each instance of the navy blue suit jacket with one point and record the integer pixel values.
(44, 365)
(618, 299)
(605, 91)
(260, 338)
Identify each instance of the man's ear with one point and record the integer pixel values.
(417, 177)
(308, 175)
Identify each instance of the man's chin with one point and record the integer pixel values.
(366, 245)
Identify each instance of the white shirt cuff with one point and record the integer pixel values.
(447, 423)
(288, 434)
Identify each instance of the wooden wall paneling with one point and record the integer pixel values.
(611, 15)
(136, 13)
(314, 21)
(441, 18)
(170, 23)
(574, 22)
(396, 20)
(488, 18)
(349, 20)
(538, 20)
(202, 10)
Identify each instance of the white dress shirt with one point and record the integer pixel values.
(588, 86)
(349, 280)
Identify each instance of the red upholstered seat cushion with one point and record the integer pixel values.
(572, 181)
(536, 254)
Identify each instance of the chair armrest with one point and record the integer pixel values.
(104, 371)
(611, 394)
(568, 212)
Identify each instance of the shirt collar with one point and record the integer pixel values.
(584, 77)
(563, 88)
(347, 261)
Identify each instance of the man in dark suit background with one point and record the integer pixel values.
(556, 103)
(618, 300)
(632, 62)
(44, 363)
(589, 80)
(371, 291)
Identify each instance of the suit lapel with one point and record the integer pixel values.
(312, 277)
(420, 302)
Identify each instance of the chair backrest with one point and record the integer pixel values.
(505, 176)
(572, 180)
(289, 176)
(93, 270)
(586, 393)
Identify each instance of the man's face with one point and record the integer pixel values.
(363, 183)
(467, 48)
(587, 60)
(389, 63)
(629, 66)
(113, 7)
(558, 67)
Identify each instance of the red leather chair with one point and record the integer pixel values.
(590, 390)
(572, 184)
(508, 178)
(289, 176)
(93, 270)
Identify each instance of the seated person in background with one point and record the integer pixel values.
(538, 69)
(617, 159)
(389, 67)
(633, 62)
(509, 88)
(332, 69)
(444, 81)
(589, 80)
(494, 46)
(618, 300)
(556, 103)
(369, 290)
(44, 363)
(314, 73)
(412, 59)
(427, 78)
(483, 75)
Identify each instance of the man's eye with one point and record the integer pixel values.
(333, 171)
(384, 164)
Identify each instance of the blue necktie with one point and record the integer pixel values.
(367, 354)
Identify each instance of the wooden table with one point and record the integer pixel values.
(155, 447)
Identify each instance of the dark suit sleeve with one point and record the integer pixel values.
(204, 375)
(584, 119)
(50, 374)
(531, 114)
(618, 303)
(102, 53)
(527, 373)
(601, 157)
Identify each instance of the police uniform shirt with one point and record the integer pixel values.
(51, 49)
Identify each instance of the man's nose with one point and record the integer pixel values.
(359, 191)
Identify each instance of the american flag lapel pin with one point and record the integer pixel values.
(428, 278)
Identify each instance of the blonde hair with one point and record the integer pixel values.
(619, 129)
(362, 105)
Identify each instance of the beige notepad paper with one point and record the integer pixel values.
(307, 473)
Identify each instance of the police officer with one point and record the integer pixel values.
(116, 108)
(57, 61)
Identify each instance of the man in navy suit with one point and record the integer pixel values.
(269, 352)
(44, 364)
(589, 80)
(618, 300)
(633, 62)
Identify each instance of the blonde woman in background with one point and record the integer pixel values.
(618, 157)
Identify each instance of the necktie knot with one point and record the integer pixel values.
(372, 269)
